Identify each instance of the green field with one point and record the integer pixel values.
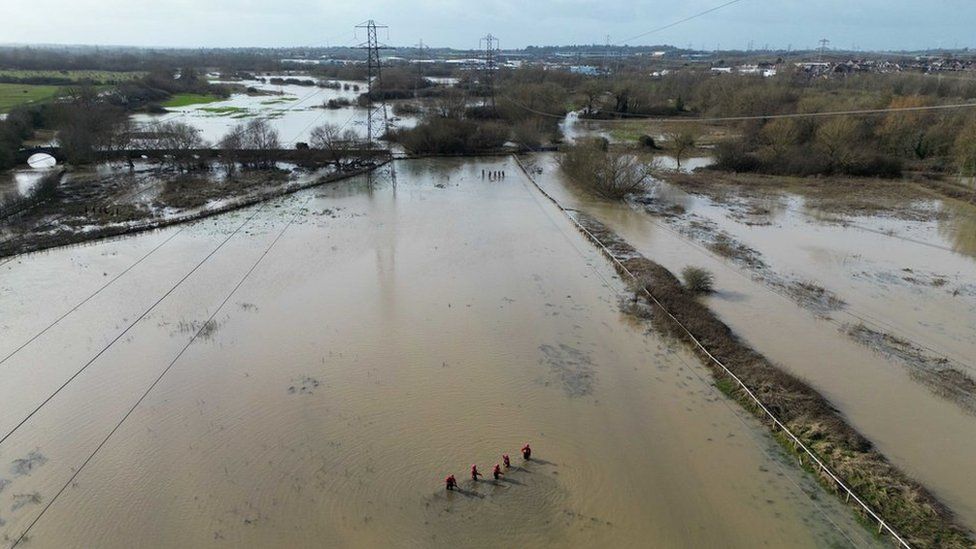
(106, 77)
(12, 95)
(187, 99)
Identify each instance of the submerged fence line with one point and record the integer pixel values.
(822, 467)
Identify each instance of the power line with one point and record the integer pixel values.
(680, 21)
(129, 327)
(856, 112)
(160, 377)
(376, 114)
(90, 297)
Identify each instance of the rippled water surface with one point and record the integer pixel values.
(387, 336)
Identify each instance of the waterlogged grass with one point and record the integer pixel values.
(278, 101)
(225, 111)
(187, 99)
(12, 95)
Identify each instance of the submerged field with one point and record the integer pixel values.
(326, 359)
(869, 299)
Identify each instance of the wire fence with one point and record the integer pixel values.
(798, 445)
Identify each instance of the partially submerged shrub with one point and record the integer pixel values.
(611, 175)
(647, 142)
(697, 280)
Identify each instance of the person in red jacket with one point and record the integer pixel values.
(497, 471)
(450, 482)
(526, 452)
(506, 461)
(474, 473)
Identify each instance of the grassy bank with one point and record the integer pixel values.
(187, 99)
(904, 503)
(12, 95)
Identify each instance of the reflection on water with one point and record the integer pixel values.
(959, 228)
(688, 165)
(17, 183)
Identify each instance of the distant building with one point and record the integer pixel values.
(587, 70)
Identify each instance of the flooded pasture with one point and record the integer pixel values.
(307, 371)
(881, 268)
(292, 109)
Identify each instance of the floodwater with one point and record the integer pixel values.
(18, 183)
(294, 111)
(929, 437)
(914, 278)
(383, 337)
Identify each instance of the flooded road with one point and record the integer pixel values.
(366, 341)
(929, 437)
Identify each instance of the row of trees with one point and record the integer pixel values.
(941, 140)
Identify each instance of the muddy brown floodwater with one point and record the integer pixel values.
(929, 437)
(389, 337)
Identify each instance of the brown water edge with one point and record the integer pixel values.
(417, 331)
(906, 505)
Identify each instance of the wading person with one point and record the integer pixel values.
(450, 482)
(526, 452)
(497, 471)
(475, 473)
(506, 461)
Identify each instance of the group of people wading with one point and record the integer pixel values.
(493, 175)
(451, 483)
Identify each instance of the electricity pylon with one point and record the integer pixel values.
(377, 123)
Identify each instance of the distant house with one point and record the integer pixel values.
(587, 70)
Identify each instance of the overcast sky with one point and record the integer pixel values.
(866, 24)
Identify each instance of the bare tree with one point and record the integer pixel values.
(331, 138)
(230, 146)
(178, 139)
(681, 142)
(838, 139)
(608, 174)
(450, 105)
(258, 135)
(86, 124)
